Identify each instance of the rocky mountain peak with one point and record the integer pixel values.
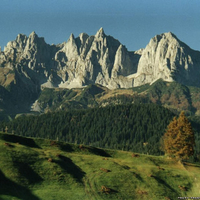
(33, 37)
(71, 37)
(32, 64)
(21, 38)
(170, 35)
(82, 38)
(164, 39)
(100, 33)
(83, 35)
(163, 57)
(101, 59)
(33, 34)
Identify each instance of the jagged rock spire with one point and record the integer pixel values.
(33, 34)
(100, 33)
(102, 59)
(163, 57)
(71, 38)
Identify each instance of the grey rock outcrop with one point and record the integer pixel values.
(168, 58)
(29, 64)
(92, 61)
(98, 59)
(75, 63)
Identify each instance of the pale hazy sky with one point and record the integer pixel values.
(132, 22)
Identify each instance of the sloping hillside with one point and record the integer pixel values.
(174, 96)
(44, 169)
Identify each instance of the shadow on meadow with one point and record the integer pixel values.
(173, 193)
(94, 150)
(21, 140)
(99, 152)
(10, 188)
(66, 148)
(27, 172)
(62, 146)
(68, 165)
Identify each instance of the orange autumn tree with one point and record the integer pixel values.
(179, 138)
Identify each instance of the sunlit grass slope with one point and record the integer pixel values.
(43, 169)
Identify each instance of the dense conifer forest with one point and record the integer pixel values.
(134, 127)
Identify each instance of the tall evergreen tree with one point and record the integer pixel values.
(179, 138)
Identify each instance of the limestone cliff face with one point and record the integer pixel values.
(75, 63)
(96, 59)
(168, 58)
(29, 64)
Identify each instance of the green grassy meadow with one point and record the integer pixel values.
(44, 169)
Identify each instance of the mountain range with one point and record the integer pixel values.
(95, 72)
(28, 65)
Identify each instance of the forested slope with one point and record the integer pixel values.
(135, 127)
